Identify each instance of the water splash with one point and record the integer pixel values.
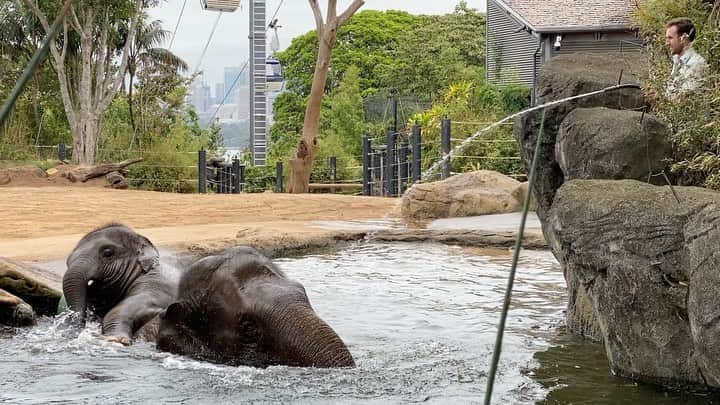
(490, 127)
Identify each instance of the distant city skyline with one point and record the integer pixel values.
(229, 45)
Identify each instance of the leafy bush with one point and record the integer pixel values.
(692, 116)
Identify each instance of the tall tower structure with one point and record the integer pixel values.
(258, 101)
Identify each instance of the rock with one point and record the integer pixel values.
(520, 192)
(14, 311)
(649, 266)
(117, 181)
(31, 285)
(603, 143)
(565, 76)
(4, 179)
(51, 171)
(476, 193)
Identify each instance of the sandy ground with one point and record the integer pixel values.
(44, 223)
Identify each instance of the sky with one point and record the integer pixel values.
(229, 45)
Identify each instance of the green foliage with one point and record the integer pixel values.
(170, 162)
(378, 54)
(366, 41)
(439, 51)
(473, 106)
(692, 116)
(285, 133)
(344, 119)
(38, 116)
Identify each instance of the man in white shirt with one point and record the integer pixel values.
(688, 66)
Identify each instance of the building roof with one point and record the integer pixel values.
(570, 15)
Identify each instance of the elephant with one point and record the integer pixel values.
(239, 308)
(117, 275)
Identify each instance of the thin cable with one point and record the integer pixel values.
(212, 33)
(275, 15)
(227, 93)
(511, 277)
(177, 24)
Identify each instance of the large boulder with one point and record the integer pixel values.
(648, 264)
(603, 143)
(35, 287)
(562, 77)
(475, 193)
(566, 76)
(14, 311)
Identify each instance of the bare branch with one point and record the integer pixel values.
(75, 22)
(46, 26)
(39, 14)
(59, 63)
(63, 53)
(352, 9)
(132, 31)
(87, 46)
(332, 11)
(102, 59)
(319, 23)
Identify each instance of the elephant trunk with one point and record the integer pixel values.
(75, 286)
(306, 340)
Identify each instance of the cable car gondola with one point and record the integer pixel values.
(221, 5)
(274, 78)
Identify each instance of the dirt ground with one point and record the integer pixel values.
(42, 219)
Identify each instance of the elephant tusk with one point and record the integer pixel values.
(90, 282)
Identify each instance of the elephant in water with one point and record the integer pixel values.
(239, 308)
(117, 274)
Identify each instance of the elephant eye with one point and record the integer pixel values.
(107, 252)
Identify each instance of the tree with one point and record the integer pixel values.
(146, 52)
(367, 41)
(84, 58)
(38, 113)
(438, 52)
(301, 164)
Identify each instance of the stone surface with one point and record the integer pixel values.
(479, 238)
(475, 193)
(14, 311)
(566, 76)
(649, 267)
(604, 143)
(31, 285)
(521, 191)
(117, 181)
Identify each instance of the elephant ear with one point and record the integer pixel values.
(148, 255)
(177, 312)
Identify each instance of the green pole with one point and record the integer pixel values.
(513, 268)
(36, 60)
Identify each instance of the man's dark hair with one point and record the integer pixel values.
(684, 26)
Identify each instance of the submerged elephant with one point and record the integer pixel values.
(239, 308)
(117, 275)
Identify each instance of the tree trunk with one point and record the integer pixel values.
(301, 163)
(84, 174)
(85, 137)
(87, 96)
(130, 106)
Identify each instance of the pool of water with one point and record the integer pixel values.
(420, 320)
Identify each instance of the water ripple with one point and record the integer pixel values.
(419, 319)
